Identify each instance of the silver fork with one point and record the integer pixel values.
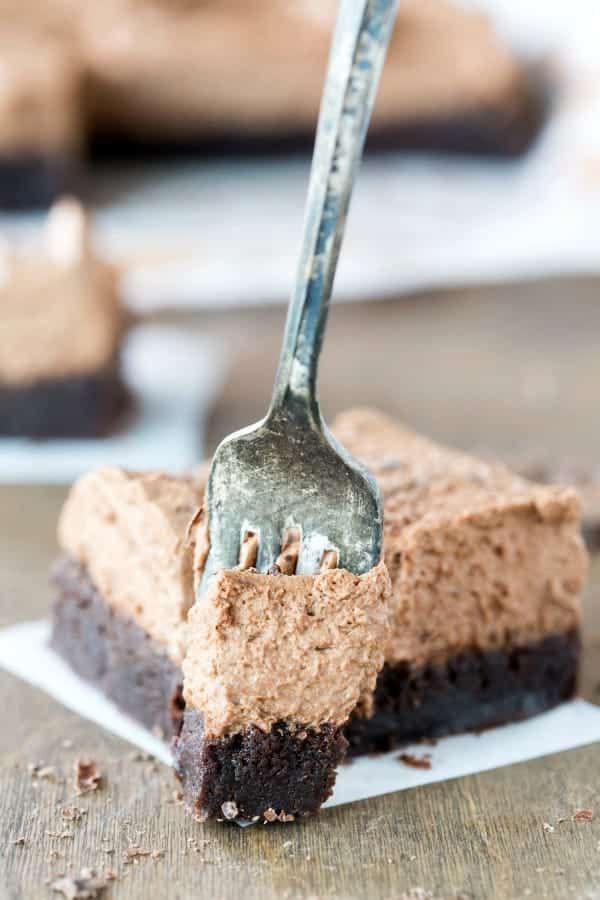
(285, 483)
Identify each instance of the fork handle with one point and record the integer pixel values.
(361, 36)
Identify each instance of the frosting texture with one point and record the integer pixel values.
(129, 531)
(478, 557)
(41, 98)
(59, 307)
(304, 649)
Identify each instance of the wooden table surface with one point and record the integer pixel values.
(499, 369)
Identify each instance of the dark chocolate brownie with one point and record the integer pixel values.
(34, 182)
(470, 692)
(74, 406)
(113, 653)
(277, 775)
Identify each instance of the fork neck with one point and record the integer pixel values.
(362, 32)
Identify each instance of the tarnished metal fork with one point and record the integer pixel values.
(283, 491)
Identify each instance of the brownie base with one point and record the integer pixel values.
(113, 653)
(32, 181)
(470, 692)
(275, 776)
(79, 406)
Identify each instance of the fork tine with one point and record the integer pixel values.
(313, 547)
(269, 547)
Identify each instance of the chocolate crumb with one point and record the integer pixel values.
(134, 853)
(87, 777)
(61, 835)
(415, 762)
(274, 570)
(157, 854)
(140, 756)
(271, 816)
(87, 886)
(43, 773)
(19, 842)
(73, 813)
(583, 815)
(110, 875)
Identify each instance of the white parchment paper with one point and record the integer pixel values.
(24, 652)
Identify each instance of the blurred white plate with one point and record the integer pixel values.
(174, 378)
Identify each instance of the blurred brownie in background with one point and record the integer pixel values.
(41, 117)
(61, 326)
(242, 75)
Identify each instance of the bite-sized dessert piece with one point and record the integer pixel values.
(232, 72)
(61, 325)
(41, 117)
(486, 573)
(273, 665)
(486, 570)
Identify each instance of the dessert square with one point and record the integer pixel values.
(486, 572)
(257, 678)
(41, 117)
(61, 326)
(231, 75)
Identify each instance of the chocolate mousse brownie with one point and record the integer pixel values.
(273, 665)
(229, 74)
(41, 117)
(61, 326)
(485, 567)
(486, 572)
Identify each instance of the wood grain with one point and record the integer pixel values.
(478, 837)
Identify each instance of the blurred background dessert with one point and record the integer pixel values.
(41, 117)
(204, 240)
(62, 325)
(225, 76)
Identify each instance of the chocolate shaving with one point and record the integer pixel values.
(73, 813)
(583, 815)
(87, 777)
(269, 815)
(45, 773)
(87, 886)
(415, 762)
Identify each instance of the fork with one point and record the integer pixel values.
(283, 495)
